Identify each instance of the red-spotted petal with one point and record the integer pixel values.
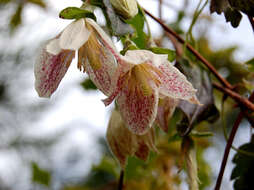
(49, 70)
(137, 110)
(175, 85)
(105, 75)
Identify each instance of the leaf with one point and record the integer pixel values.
(103, 173)
(140, 37)
(76, 13)
(118, 27)
(16, 18)
(201, 81)
(87, 84)
(250, 64)
(231, 13)
(159, 50)
(244, 166)
(219, 6)
(246, 6)
(233, 16)
(39, 175)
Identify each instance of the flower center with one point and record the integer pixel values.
(141, 79)
(92, 50)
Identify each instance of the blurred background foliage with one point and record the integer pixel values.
(38, 157)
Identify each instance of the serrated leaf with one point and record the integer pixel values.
(87, 84)
(76, 13)
(171, 53)
(201, 81)
(39, 175)
(233, 16)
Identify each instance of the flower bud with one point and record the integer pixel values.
(126, 8)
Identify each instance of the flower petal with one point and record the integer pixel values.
(141, 56)
(124, 143)
(166, 108)
(137, 110)
(53, 46)
(175, 85)
(105, 76)
(49, 70)
(74, 35)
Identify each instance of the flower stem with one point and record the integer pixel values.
(195, 52)
(120, 183)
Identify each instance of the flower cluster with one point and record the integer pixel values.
(136, 80)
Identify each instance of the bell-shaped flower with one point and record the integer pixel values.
(142, 79)
(124, 143)
(94, 56)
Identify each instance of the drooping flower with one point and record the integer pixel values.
(124, 143)
(143, 77)
(94, 56)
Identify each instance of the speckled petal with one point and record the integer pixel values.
(124, 143)
(49, 70)
(138, 111)
(166, 108)
(74, 35)
(175, 85)
(105, 76)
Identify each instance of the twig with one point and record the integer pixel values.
(120, 183)
(228, 146)
(245, 102)
(199, 56)
(251, 19)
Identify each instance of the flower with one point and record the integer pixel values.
(142, 79)
(124, 143)
(126, 8)
(94, 56)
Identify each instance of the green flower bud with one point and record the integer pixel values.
(126, 8)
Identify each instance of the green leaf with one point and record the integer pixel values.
(39, 175)
(175, 137)
(171, 53)
(233, 16)
(76, 13)
(104, 173)
(87, 84)
(244, 167)
(139, 37)
(250, 64)
(16, 18)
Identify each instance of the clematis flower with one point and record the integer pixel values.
(124, 143)
(94, 56)
(142, 79)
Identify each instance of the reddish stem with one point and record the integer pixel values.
(228, 146)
